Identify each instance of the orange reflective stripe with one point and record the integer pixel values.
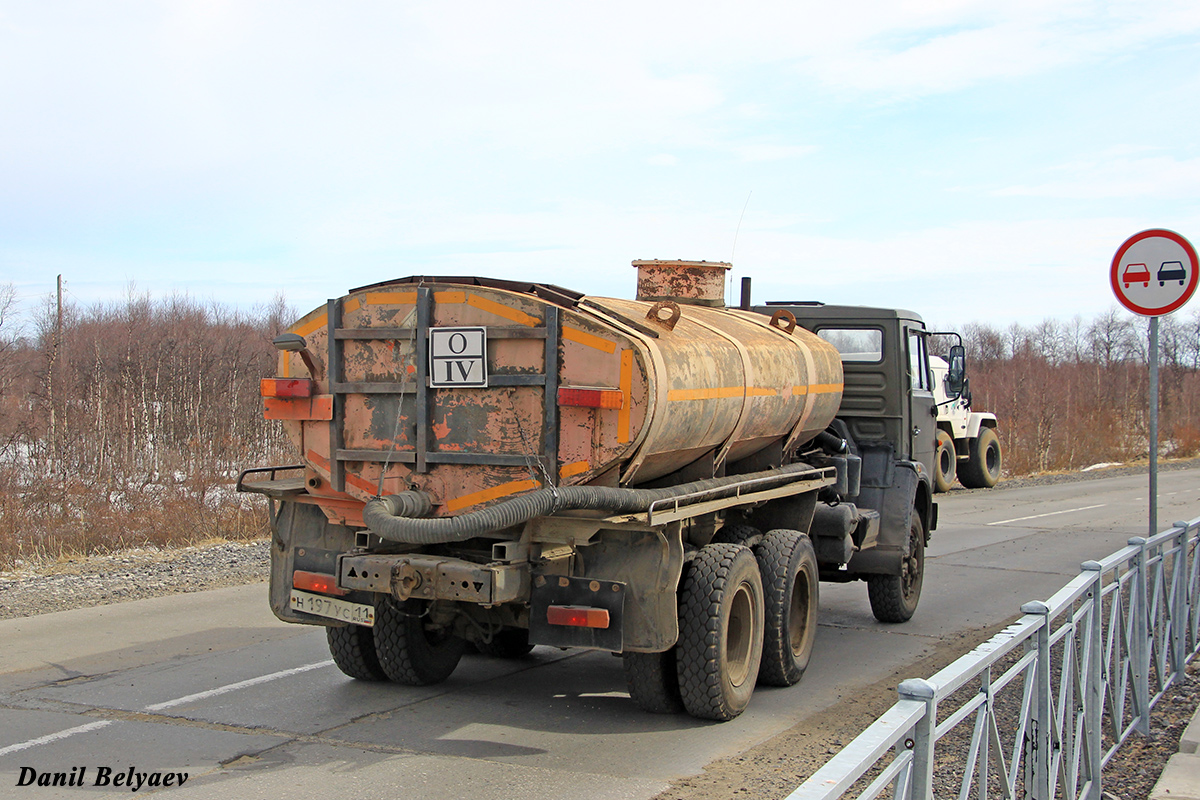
(626, 392)
(519, 317)
(588, 340)
(503, 490)
(720, 393)
(817, 388)
(389, 298)
(312, 325)
(570, 470)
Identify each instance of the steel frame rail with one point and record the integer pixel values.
(1083, 668)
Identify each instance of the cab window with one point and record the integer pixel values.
(858, 345)
(918, 362)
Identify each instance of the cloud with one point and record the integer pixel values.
(771, 152)
(1117, 176)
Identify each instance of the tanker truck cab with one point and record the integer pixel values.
(887, 420)
(494, 465)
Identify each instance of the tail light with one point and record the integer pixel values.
(286, 387)
(591, 398)
(577, 616)
(316, 582)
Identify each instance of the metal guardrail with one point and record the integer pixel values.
(1038, 710)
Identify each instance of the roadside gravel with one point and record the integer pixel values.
(38, 588)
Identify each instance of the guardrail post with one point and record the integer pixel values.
(924, 738)
(1139, 614)
(1041, 723)
(1093, 690)
(1180, 618)
(1193, 633)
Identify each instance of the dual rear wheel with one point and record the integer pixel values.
(402, 647)
(746, 615)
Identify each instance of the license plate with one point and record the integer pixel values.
(321, 606)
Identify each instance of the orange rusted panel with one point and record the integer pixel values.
(319, 407)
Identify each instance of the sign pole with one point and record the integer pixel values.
(1153, 425)
(1154, 273)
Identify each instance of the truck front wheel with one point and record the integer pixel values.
(982, 469)
(945, 463)
(408, 652)
(894, 597)
(789, 573)
(720, 631)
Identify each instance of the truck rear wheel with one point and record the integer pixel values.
(720, 631)
(653, 681)
(945, 463)
(894, 597)
(353, 650)
(738, 533)
(982, 469)
(789, 573)
(408, 652)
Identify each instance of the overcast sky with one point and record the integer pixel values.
(966, 160)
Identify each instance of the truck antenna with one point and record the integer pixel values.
(738, 229)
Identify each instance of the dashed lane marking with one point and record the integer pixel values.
(1047, 514)
(54, 737)
(178, 701)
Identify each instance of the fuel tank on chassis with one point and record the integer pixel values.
(474, 391)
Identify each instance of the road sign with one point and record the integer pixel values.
(1154, 272)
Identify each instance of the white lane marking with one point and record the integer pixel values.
(232, 687)
(54, 737)
(93, 726)
(1048, 514)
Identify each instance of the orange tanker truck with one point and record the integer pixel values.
(501, 465)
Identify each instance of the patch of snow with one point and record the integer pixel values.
(1105, 465)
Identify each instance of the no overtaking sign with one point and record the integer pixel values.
(1154, 272)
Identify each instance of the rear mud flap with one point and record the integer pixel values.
(583, 593)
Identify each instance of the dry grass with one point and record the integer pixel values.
(50, 523)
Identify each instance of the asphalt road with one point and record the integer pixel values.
(211, 685)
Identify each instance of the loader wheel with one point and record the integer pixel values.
(789, 573)
(408, 652)
(894, 597)
(737, 533)
(982, 469)
(353, 650)
(653, 681)
(720, 631)
(946, 463)
(507, 643)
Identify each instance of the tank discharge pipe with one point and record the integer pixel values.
(395, 517)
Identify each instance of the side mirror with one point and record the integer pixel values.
(956, 374)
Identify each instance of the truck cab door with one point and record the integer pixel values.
(922, 420)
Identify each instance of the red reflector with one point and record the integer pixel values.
(577, 616)
(286, 387)
(591, 398)
(317, 582)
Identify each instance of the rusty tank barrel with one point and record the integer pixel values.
(472, 391)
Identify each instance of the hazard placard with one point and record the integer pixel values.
(458, 357)
(1154, 272)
